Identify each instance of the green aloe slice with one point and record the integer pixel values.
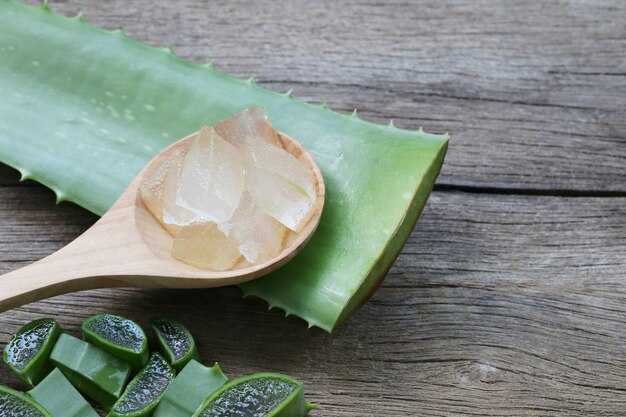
(175, 341)
(28, 351)
(57, 395)
(119, 336)
(106, 104)
(17, 404)
(94, 372)
(192, 386)
(259, 395)
(144, 392)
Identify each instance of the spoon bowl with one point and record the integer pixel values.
(128, 247)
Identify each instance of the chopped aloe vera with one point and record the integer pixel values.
(259, 395)
(59, 397)
(175, 341)
(119, 336)
(192, 386)
(144, 392)
(94, 372)
(17, 404)
(28, 351)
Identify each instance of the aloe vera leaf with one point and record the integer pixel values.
(258, 395)
(104, 104)
(57, 395)
(18, 404)
(192, 386)
(28, 352)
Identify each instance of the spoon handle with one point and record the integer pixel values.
(80, 265)
(34, 282)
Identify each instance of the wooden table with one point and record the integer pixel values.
(510, 297)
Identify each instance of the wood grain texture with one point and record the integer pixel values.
(507, 306)
(504, 302)
(534, 95)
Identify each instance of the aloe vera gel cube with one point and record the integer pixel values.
(94, 372)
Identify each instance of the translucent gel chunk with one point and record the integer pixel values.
(159, 193)
(278, 183)
(203, 245)
(258, 236)
(249, 122)
(212, 178)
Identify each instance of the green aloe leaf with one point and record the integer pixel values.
(83, 109)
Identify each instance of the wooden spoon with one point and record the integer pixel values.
(127, 247)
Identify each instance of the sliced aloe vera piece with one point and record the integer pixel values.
(119, 336)
(103, 113)
(192, 386)
(59, 397)
(28, 351)
(175, 341)
(17, 404)
(94, 372)
(259, 395)
(144, 392)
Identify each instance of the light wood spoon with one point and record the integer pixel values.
(127, 247)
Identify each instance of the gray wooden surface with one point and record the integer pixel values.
(510, 297)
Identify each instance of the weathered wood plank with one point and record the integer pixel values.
(533, 93)
(499, 305)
